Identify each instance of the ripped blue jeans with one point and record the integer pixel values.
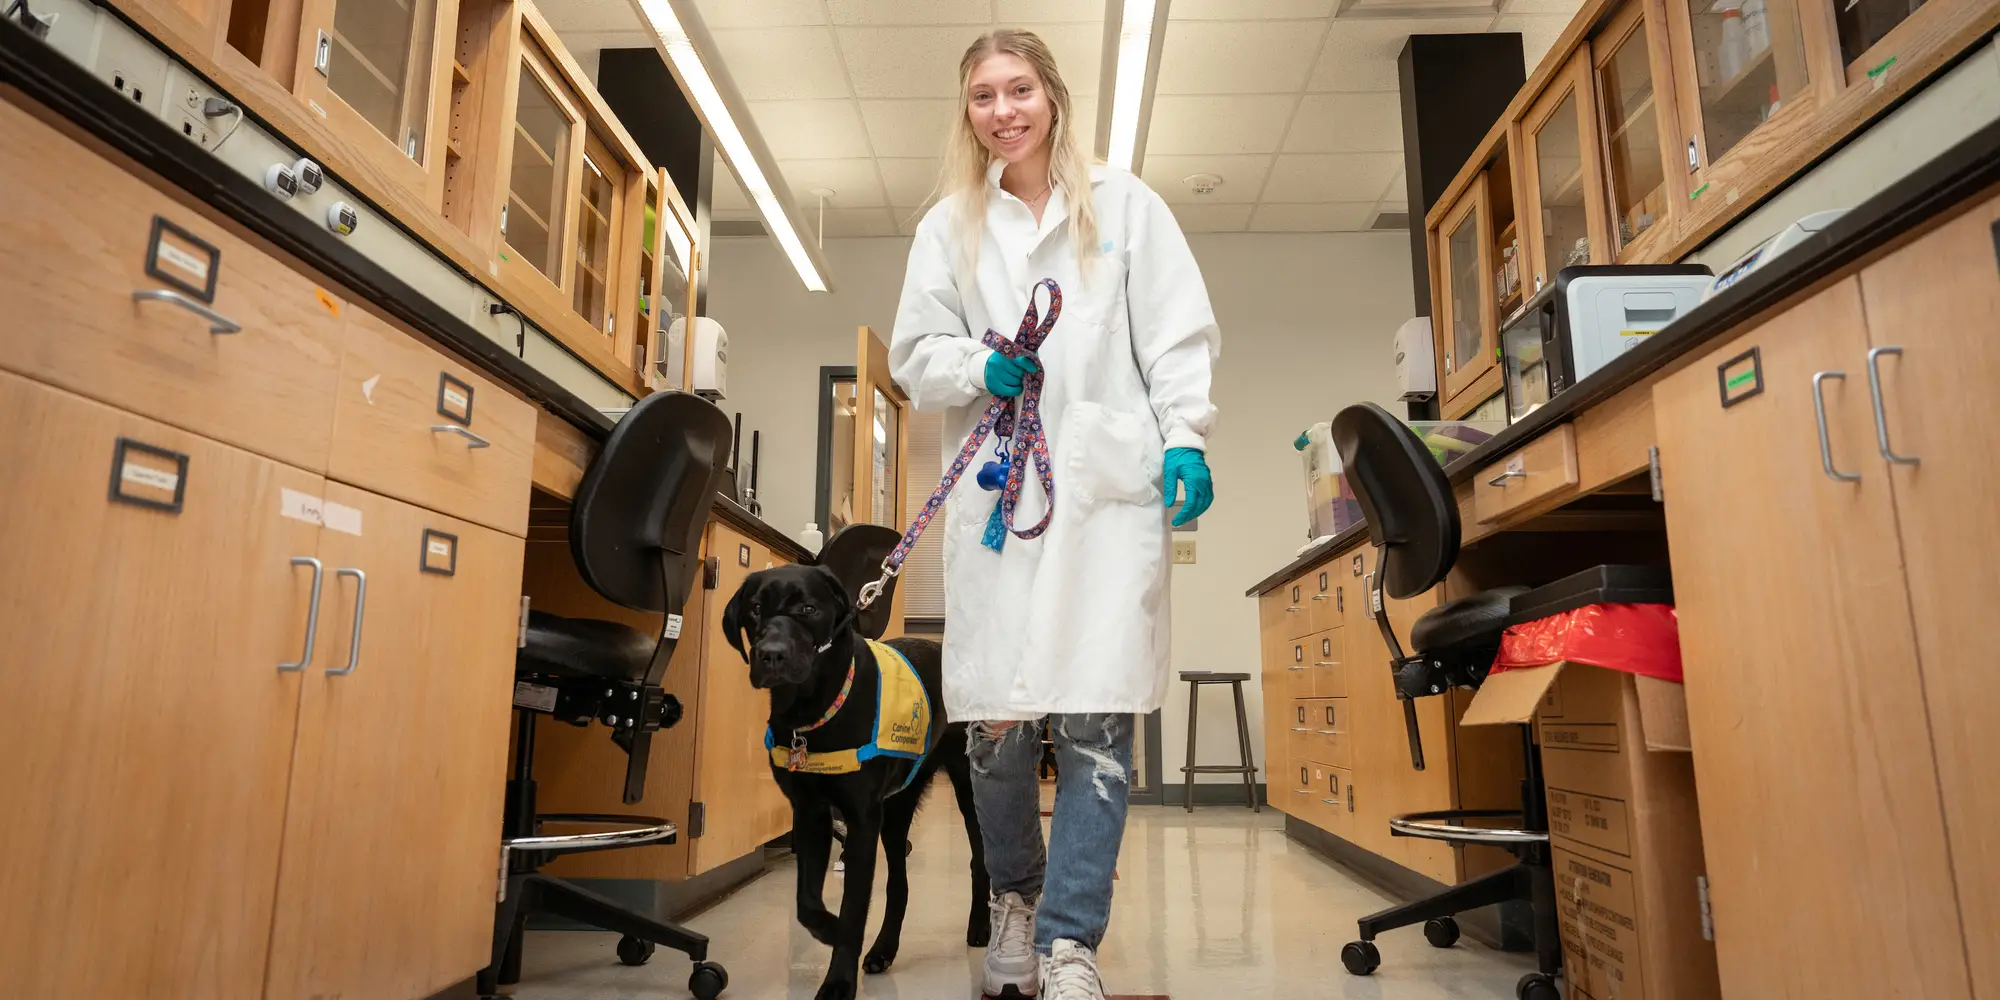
(1071, 876)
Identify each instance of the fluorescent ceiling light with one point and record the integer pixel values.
(1135, 31)
(677, 44)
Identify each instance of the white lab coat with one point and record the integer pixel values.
(1075, 620)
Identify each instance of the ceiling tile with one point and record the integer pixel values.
(1238, 57)
(1249, 10)
(904, 62)
(908, 128)
(1242, 177)
(909, 181)
(849, 222)
(1360, 53)
(1566, 8)
(916, 12)
(1396, 197)
(854, 182)
(591, 15)
(759, 13)
(1331, 177)
(1047, 11)
(801, 130)
(772, 64)
(1212, 218)
(1538, 33)
(1078, 48)
(1347, 123)
(1244, 124)
(1317, 217)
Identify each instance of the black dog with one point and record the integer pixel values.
(801, 641)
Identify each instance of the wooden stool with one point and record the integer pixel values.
(1195, 679)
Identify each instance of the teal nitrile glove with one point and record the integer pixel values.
(1005, 376)
(1187, 469)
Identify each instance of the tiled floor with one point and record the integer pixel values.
(1217, 904)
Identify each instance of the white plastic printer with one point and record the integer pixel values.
(1585, 319)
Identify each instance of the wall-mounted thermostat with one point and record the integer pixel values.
(342, 218)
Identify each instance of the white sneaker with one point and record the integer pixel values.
(1070, 973)
(1011, 963)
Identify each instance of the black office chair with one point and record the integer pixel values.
(635, 532)
(1413, 523)
(855, 554)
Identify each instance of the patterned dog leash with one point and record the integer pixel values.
(1005, 417)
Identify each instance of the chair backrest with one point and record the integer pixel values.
(855, 555)
(636, 522)
(1404, 494)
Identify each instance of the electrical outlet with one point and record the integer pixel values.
(132, 65)
(1183, 551)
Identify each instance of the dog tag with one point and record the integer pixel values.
(797, 759)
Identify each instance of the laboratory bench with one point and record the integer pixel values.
(273, 514)
(1811, 452)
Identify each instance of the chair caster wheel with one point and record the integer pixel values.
(1441, 932)
(1362, 958)
(1535, 986)
(633, 951)
(708, 981)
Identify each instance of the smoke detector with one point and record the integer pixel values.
(1202, 183)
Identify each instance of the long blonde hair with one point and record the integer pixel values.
(966, 160)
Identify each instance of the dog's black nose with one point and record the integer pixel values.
(767, 658)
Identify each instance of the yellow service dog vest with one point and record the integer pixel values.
(902, 723)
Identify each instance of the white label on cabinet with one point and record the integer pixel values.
(195, 266)
(453, 397)
(301, 507)
(342, 518)
(368, 388)
(673, 627)
(159, 479)
(1518, 465)
(440, 547)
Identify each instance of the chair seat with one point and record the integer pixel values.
(1475, 620)
(585, 647)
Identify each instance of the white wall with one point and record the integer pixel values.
(1306, 321)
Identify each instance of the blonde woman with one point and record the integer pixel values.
(1069, 626)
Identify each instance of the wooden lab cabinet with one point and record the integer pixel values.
(1481, 276)
(1633, 63)
(1831, 511)
(261, 712)
(379, 73)
(1561, 166)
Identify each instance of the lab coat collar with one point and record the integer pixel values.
(1056, 212)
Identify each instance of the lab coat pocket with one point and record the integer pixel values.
(1113, 457)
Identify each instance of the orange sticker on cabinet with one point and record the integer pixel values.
(328, 302)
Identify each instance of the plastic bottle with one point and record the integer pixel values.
(811, 538)
(1734, 52)
(1756, 27)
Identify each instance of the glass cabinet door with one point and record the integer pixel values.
(1466, 307)
(1558, 131)
(598, 214)
(537, 184)
(1634, 158)
(371, 70)
(1863, 23)
(1748, 61)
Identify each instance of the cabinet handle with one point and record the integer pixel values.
(1300, 791)
(1825, 442)
(1350, 796)
(1882, 418)
(1294, 609)
(1296, 666)
(1501, 479)
(474, 440)
(217, 322)
(1322, 597)
(312, 613)
(360, 609)
(1368, 591)
(1300, 729)
(1329, 732)
(1327, 663)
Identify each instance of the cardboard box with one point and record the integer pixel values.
(1623, 825)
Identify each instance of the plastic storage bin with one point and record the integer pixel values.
(1332, 507)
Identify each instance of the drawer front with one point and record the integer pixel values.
(1271, 611)
(1297, 798)
(1297, 596)
(411, 422)
(1329, 795)
(78, 247)
(1329, 671)
(1303, 737)
(1331, 740)
(1326, 597)
(1546, 467)
(1299, 679)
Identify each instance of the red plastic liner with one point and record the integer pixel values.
(1641, 639)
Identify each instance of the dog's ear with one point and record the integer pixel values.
(836, 591)
(736, 616)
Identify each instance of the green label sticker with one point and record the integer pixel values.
(1884, 68)
(1741, 377)
(1696, 193)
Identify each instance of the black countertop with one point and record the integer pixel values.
(1934, 190)
(72, 93)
